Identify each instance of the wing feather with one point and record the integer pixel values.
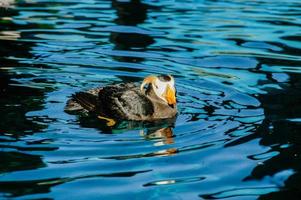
(87, 100)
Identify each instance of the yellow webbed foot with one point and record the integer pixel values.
(110, 122)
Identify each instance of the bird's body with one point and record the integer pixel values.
(125, 101)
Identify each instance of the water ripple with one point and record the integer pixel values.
(237, 70)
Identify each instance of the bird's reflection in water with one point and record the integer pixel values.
(159, 132)
(163, 136)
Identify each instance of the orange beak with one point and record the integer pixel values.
(170, 96)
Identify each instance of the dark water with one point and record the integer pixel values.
(238, 76)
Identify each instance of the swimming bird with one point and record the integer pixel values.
(154, 99)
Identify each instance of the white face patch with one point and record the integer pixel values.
(160, 87)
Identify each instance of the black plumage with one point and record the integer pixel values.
(124, 101)
(120, 101)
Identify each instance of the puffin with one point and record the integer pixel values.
(154, 99)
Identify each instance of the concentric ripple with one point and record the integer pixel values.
(237, 70)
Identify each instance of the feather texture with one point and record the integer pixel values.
(123, 101)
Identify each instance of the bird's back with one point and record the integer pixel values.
(125, 101)
(120, 101)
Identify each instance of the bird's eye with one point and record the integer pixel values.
(156, 86)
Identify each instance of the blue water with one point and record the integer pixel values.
(238, 78)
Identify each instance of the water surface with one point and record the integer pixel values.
(237, 70)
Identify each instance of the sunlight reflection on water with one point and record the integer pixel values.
(236, 66)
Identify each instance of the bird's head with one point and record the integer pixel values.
(163, 87)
